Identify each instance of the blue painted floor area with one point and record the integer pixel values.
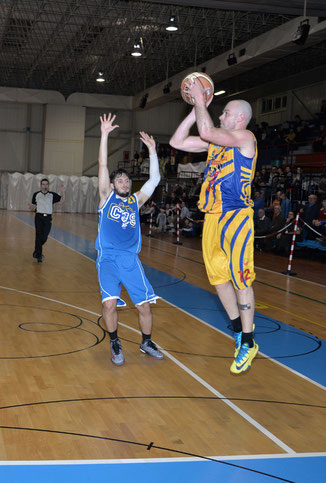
(292, 347)
(298, 470)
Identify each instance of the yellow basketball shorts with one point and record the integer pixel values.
(228, 247)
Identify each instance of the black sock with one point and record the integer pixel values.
(236, 324)
(146, 337)
(247, 337)
(113, 335)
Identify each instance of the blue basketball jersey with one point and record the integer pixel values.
(119, 225)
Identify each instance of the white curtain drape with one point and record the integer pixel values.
(16, 191)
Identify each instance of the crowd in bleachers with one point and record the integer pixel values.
(279, 191)
(292, 133)
(275, 207)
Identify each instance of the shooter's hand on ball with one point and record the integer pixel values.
(197, 92)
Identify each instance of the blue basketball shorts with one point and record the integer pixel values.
(125, 268)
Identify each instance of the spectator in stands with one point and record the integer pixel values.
(288, 177)
(258, 203)
(298, 122)
(178, 190)
(309, 213)
(297, 181)
(278, 220)
(284, 239)
(285, 204)
(161, 220)
(194, 192)
(188, 228)
(322, 187)
(198, 220)
(264, 175)
(262, 228)
(184, 212)
(169, 217)
(276, 201)
(145, 212)
(320, 223)
(320, 140)
(290, 137)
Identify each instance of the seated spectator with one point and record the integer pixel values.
(145, 212)
(169, 217)
(184, 212)
(309, 213)
(290, 137)
(284, 239)
(262, 228)
(278, 220)
(276, 201)
(258, 203)
(188, 228)
(320, 223)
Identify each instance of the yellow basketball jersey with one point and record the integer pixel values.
(227, 180)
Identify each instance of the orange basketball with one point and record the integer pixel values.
(205, 81)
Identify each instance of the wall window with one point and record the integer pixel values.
(273, 104)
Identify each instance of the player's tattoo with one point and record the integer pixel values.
(244, 306)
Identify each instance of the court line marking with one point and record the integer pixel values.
(210, 388)
(256, 266)
(161, 460)
(172, 254)
(202, 321)
(291, 313)
(321, 386)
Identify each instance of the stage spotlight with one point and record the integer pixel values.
(231, 60)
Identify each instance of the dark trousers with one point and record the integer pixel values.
(42, 230)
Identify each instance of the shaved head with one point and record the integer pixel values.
(242, 107)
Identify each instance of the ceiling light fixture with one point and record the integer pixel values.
(219, 93)
(172, 27)
(100, 77)
(138, 48)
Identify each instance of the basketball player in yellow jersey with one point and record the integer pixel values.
(228, 232)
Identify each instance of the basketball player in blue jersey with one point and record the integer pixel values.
(119, 241)
(225, 197)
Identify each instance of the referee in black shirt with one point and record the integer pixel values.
(44, 201)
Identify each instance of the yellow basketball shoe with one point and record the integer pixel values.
(237, 337)
(243, 360)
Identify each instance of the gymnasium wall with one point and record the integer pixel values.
(29, 145)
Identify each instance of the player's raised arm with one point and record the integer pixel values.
(103, 172)
(182, 140)
(148, 188)
(232, 131)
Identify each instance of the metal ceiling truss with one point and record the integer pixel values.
(63, 44)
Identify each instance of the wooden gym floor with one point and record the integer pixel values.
(186, 418)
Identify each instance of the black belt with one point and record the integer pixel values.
(44, 214)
